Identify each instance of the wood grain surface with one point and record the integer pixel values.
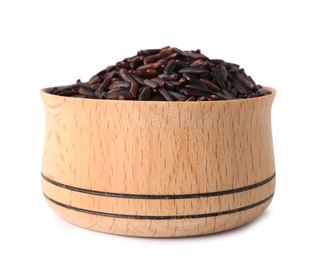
(162, 169)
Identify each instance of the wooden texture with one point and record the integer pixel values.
(158, 169)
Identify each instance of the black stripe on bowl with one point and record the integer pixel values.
(142, 196)
(143, 217)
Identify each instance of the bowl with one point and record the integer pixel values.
(158, 169)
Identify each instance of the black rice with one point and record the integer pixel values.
(167, 74)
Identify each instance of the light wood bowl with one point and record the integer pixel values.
(158, 169)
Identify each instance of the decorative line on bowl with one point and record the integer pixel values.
(142, 196)
(205, 215)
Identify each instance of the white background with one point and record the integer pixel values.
(49, 43)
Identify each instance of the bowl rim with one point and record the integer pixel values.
(45, 91)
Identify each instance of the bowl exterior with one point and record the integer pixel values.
(158, 169)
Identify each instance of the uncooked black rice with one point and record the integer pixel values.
(167, 74)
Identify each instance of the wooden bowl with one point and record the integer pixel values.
(158, 169)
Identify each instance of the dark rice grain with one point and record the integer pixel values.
(167, 74)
